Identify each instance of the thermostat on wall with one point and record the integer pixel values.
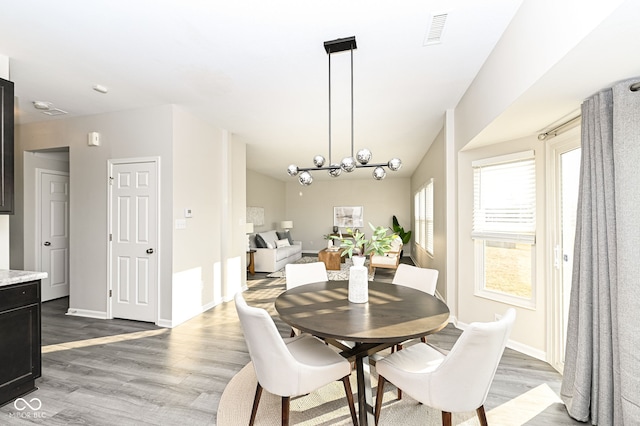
(93, 139)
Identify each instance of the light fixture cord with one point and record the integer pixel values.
(352, 100)
(330, 108)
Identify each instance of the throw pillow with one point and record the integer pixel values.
(282, 243)
(287, 235)
(260, 243)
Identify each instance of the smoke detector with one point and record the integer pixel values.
(41, 105)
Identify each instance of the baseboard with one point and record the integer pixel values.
(174, 323)
(86, 313)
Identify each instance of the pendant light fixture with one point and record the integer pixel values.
(363, 156)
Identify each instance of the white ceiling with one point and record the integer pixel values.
(259, 69)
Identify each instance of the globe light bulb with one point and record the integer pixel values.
(335, 170)
(394, 164)
(305, 178)
(292, 170)
(363, 156)
(379, 173)
(348, 164)
(318, 161)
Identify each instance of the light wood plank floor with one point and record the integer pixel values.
(118, 372)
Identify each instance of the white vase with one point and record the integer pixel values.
(358, 281)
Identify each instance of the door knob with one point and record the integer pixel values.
(47, 243)
(149, 251)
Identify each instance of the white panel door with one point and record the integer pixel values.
(54, 234)
(134, 239)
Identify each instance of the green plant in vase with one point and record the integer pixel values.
(358, 245)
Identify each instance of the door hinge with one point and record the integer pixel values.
(110, 293)
(110, 237)
(110, 180)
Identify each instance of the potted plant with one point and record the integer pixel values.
(399, 230)
(357, 245)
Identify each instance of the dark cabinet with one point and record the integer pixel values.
(6, 146)
(20, 350)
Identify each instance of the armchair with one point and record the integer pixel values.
(389, 260)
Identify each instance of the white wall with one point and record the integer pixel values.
(311, 207)
(268, 193)
(200, 168)
(433, 165)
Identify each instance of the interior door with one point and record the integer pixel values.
(133, 240)
(54, 233)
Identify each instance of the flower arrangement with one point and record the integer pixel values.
(358, 245)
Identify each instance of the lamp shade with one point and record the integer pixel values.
(248, 228)
(286, 224)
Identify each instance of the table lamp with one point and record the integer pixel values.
(286, 224)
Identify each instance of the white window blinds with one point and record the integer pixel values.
(504, 207)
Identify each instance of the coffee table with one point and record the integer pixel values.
(331, 258)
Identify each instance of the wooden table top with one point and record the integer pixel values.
(394, 313)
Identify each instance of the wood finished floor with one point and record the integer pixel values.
(118, 372)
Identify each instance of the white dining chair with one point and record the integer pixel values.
(291, 366)
(456, 381)
(304, 273)
(422, 279)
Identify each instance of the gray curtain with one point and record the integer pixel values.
(601, 381)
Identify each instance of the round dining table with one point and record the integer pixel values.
(392, 315)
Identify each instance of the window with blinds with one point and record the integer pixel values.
(423, 216)
(504, 227)
(504, 199)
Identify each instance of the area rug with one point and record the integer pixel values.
(328, 406)
(341, 275)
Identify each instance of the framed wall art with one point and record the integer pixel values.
(348, 216)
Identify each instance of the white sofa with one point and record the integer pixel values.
(273, 258)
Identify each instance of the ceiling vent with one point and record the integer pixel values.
(435, 29)
(54, 111)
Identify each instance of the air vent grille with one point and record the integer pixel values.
(54, 111)
(436, 29)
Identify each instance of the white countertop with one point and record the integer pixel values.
(8, 276)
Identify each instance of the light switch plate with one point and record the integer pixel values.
(181, 224)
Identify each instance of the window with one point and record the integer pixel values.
(504, 223)
(423, 214)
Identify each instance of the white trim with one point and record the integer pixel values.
(566, 142)
(87, 313)
(38, 216)
(507, 158)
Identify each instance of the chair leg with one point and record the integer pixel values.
(379, 394)
(293, 333)
(446, 418)
(352, 407)
(481, 416)
(399, 390)
(285, 410)
(256, 401)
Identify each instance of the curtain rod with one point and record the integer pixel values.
(635, 87)
(564, 126)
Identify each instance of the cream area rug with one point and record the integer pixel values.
(328, 406)
(341, 275)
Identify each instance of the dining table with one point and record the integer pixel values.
(392, 315)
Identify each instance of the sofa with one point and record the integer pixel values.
(274, 250)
